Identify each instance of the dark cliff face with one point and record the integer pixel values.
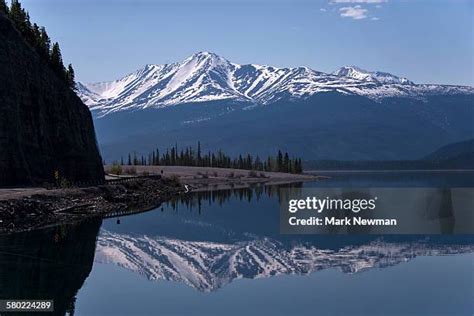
(44, 126)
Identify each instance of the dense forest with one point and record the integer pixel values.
(189, 156)
(39, 40)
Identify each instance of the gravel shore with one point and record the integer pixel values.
(30, 208)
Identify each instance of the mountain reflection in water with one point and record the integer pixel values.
(208, 239)
(208, 266)
(205, 240)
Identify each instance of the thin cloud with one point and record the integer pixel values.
(355, 12)
(322, 10)
(375, 18)
(359, 1)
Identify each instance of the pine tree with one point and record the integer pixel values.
(3, 7)
(18, 16)
(279, 167)
(286, 163)
(199, 154)
(56, 59)
(70, 77)
(44, 43)
(36, 36)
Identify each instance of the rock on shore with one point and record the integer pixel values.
(67, 205)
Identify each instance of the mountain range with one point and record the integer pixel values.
(350, 114)
(205, 76)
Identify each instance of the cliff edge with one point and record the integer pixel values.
(44, 126)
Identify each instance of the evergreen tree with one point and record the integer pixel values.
(279, 167)
(70, 77)
(56, 59)
(286, 163)
(18, 16)
(3, 7)
(44, 43)
(36, 36)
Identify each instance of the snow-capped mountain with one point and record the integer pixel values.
(206, 76)
(208, 266)
(364, 75)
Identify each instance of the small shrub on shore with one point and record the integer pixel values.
(116, 169)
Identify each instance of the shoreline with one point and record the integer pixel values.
(68, 205)
(23, 209)
(208, 178)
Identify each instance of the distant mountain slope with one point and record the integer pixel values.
(351, 114)
(44, 126)
(324, 126)
(206, 76)
(457, 154)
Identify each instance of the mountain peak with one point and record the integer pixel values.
(204, 55)
(358, 73)
(354, 72)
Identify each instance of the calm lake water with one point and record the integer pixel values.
(215, 253)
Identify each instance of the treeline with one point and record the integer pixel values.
(189, 156)
(39, 40)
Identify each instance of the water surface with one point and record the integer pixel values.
(214, 253)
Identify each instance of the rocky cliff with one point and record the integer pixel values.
(44, 126)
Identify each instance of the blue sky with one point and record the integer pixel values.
(427, 41)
